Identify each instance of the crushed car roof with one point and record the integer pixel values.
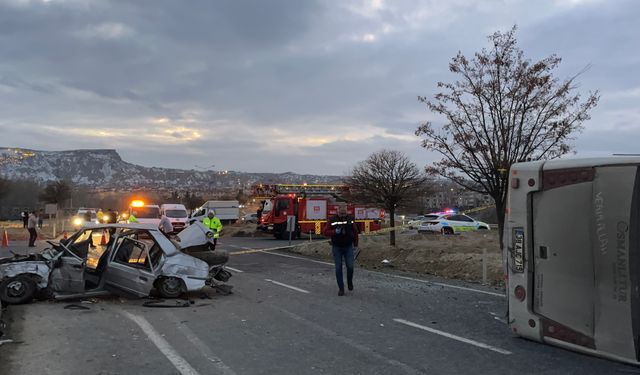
(148, 226)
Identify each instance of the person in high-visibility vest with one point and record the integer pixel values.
(132, 217)
(213, 223)
(100, 216)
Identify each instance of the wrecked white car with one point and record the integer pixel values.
(133, 258)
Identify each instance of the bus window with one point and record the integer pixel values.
(572, 254)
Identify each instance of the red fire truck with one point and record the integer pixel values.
(312, 206)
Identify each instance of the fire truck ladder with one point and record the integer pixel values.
(303, 189)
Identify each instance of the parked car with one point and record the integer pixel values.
(133, 258)
(414, 222)
(250, 218)
(450, 223)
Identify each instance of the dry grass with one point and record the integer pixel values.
(457, 257)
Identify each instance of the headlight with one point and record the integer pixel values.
(105, 218)
(77, 221)
(209, 234)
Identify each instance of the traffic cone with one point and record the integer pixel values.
(103, 240)
(5, 239)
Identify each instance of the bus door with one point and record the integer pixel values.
(563, 281)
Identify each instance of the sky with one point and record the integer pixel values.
(285, 85)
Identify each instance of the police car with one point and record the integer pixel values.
(450, 223)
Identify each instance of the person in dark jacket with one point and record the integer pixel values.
(343, 231)
(25, 218)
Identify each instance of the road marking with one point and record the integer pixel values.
(178, 362)
(233, 269)
(288, 286)
(443, 284)
(454, 337)
(396, 276)
(350, 342)
(269, 251)
(204, 349)
(295, 257)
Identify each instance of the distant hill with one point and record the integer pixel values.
(105, 169)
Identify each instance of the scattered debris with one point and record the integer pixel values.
(76, 307)
(167, 304)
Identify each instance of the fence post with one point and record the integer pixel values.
(484, 266)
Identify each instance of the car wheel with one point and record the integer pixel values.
(17, 290)
(170, 287)
(482, 228)
(447, 230)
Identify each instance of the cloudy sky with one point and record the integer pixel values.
(284, 85)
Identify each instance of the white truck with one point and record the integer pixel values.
(227, 211)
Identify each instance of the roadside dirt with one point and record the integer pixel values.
(16, 232)
(242, 230)
(454, 257)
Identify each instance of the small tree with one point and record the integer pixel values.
(387, 178)
(55, 192)
(504, 109)
(192, 201)
(5, 187)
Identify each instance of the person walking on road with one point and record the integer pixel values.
(213, 223)
(343, 231)
(32, 223)
(25, 218)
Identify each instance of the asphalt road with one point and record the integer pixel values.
(285, 317)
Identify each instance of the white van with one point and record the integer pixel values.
(177, 214)
(146, 214)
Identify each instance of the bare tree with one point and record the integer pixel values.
(192, 200)
(5, 187)
(503, 109)
(387, 178)
(55, 192)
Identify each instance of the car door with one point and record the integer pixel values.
(129, 268)
(467, 223)
(68, 276)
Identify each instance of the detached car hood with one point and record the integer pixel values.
(194, 235)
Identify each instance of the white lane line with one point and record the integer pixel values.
(396, 276)
(178, 362)
(204, 349)
(238, 247)
(396, 365)
(444, 285)
(295, 257)
(454, 337)
(288, 286)
(234, 269)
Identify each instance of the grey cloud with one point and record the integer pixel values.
(293, 66)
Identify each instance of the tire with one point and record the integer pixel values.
(170, 287)
(447, 230)
(17, 290)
